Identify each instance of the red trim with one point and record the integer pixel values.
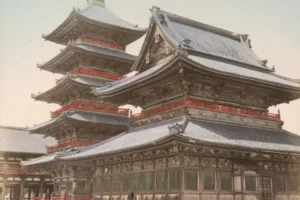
(102, 43)
(70, 198)
(70, 143)
(18, 171)
(97, 73)
(204, 106)
(81, 105)
(39, 198)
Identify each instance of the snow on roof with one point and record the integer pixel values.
(71, 78)
(242, 136)
(85, 116)
(100, 14)
(18, 140)
(88, 49)
(203, 131)
(39, 160)
(202, 38)
(134, 138)
(244, 72)
(133, 79)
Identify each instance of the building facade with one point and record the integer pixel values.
(205, 131)
(17, 182)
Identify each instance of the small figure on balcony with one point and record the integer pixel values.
(131, 196)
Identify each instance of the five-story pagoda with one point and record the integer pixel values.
(95, 54)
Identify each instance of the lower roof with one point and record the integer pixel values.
(18, 140)
(197, 130)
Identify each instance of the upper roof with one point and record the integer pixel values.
(201, 63)
(207, 48)
(97, 16)
(18, 140)
(205, 39)
(67, 54)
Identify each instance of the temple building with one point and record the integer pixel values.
(205, 131)
(16, 145)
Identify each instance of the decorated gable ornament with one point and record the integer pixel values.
(97, 2)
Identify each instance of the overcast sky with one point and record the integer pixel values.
(273, 26)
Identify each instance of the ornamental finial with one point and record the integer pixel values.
(97, 2)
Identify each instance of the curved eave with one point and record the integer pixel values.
(63, 85)
(197, 132)
(81, 116)
(71, 49)
(136, 81)
(66, 26)
(239, 76)
(172, 36)
(56, 32)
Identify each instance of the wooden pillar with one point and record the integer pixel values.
(29, 193)
(3, 188)
(10, 193)
(22, 188)
(41, 190)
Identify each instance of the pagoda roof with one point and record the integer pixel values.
(201, 63)
(197, 37)
(19, 140)
(68, 55)
(70, 80)
(203, 132)
(41, 160)
(96, 16)
(86, 117)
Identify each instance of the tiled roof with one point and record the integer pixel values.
(75, 79)
(18, 140)
(205, 39)
(243, 72)
(214, 133)
(134, 79)
(96, 16)
(43, 159)
(217, 66)
(103, 15)
(88, 49)
(85, 116)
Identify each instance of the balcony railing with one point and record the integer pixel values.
(99, 42)
(88, 106)
(69, 144)
(18, 171)
(97, 73)
(204, 106)
(63, 198)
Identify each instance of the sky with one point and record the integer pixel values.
(273, 26)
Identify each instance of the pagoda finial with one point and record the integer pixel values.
(97, 2)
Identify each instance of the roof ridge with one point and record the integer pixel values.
(204, 26)
(13, 128)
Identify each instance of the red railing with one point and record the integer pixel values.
(39, 198)
(205, 106)
(18, 171)
(71, 198)
(96, 73)
(81, 105)
(71, 143)
(102, 43)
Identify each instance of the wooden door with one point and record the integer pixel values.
(265, 188)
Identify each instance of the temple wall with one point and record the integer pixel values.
(179, 172)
